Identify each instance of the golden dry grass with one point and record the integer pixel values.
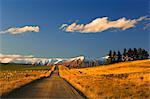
(10, 80)
(120, 80)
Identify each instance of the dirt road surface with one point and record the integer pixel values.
(53, 87)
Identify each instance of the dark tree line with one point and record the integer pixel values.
(127, 55)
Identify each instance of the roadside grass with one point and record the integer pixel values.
(13, 76)
(120, 80)
(20, 67)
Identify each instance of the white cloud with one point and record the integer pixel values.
(63, 26)
(146, 26)
(13, 58)
(20, 30)
(102, 24)
(27, 59)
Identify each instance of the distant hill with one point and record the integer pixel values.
(75, 62)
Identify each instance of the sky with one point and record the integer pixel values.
(68, 28)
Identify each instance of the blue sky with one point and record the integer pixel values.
(51, 41)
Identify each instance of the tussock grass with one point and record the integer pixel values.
(15, 77)
(120, 80)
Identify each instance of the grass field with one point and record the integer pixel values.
(20, 67)
(120, 80)
(16, 75)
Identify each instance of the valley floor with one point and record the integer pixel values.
(15, 76)
(53, 87)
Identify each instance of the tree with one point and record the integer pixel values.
(124, 56)
(125, 52)
(110, 53)
(114, 57)
(135, 53)
(130, 54)
(145, 54)
(127, 55)
(109, 59)
(140, 53)
(110, 56)
(119, 56)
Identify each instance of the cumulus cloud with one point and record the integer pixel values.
(20, 30)
(13, 58)
(28, 59)
(102, 24)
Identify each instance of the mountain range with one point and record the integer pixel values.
(75, 61)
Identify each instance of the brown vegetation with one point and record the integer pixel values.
(120, 80)
(12, 79)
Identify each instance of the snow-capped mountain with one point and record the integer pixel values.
(80, 61)
(36, 61)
